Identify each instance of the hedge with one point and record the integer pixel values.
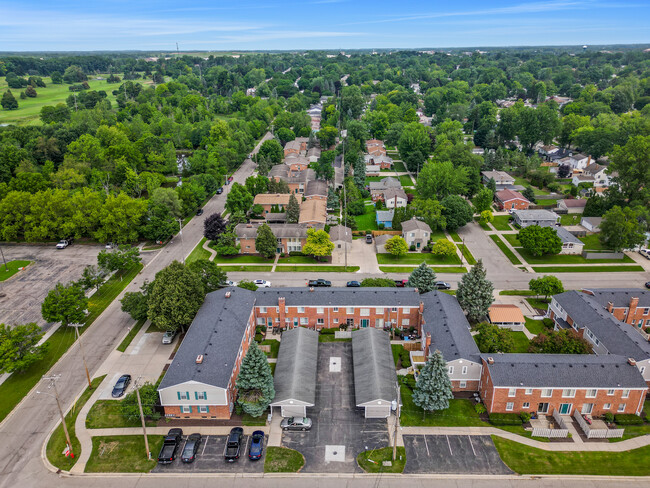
(505, 419)
(331, 330)
(628, 419)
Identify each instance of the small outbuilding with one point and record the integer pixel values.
(507, 316)
(375, 379)
(295, 373)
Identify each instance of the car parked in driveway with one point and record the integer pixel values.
(168, 337)
(256, 448)
(262, 283)
(296, 423)
(191, 448)
(368, 238)
(120, 387)
(170, 446)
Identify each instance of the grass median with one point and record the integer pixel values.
(569, 259)
(323, 268)
(587, 269)
(283, 460)
(12, 268)
(123, 454)
(372, 461)
(417, 258)
(253, 269)
(409, 269)
(505, 249)
(198, 253)
(467, 254)
(132, 333)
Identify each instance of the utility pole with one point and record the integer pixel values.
(144, 427)
(399, 400)
(461, 251)
(180, 231)
(83, 356)
(52, 379)
(3, 259)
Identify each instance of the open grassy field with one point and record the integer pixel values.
(30, 108)
(12, 268)
(123, 454)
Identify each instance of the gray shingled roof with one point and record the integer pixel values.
(616, 336)
(563, 371)
(374, 371)
(339, 297)
(566, 236)
(449, 329)
(415, 224)
(316, 187)
(216, 332)
(385, 215)
(536, 215)
(384, 183)
(295, 372)
(340, 233)
(621, 297)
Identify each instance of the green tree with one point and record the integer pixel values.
(440, 179)
(423, 278)
(621, 229)
(483, 200)
(444, 248)
(226, 244)
(396, 246)
(492, 338)
(272, 151)
(318, 243)
(92, 277)
(378, 282)
(175, 296)
(213, 226)
(239, 199)
(293, 210)
(30, 91)
(327, 136)
(119, 219)
(19, 347)
(168, 198)
(265, 242)
(119, 259)
(540, 240)
(8, 101)
(66, 304)
(324, 167)
(285, 135)
(414, 140)
(632, 163)
(211, 275)
(486, 217)
(255, 382)
(430, 211)
(74, 74)
(247, 285)
(546, 285)
(475, 292)
(563, 341)
(529, 194)
(148, 398)
(433, 387)
(136, 303)
(456, 210)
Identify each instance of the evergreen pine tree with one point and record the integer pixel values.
(475, 292)
(9, 102)
(423, 278)
(255, 382)
(265, 242)
(293, 210)
(433, 388)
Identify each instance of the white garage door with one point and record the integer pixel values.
(377, 412)
(294, 411)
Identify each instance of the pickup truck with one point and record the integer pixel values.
(401, 283)
(233, 444)
(319, 282)
(170, 446)
(63, 243)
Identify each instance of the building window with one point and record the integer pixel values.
(526, 405)
(464, 370)
(336, 309)
(591, 393)
(463, 384)
(336, 321)
(626, 394)
(301, 309)
(406, 310)
(405, 321)
(607, 406)
(642, 370)
(610, 392)
(380, 310)
(451, 370)
(510, 406)
(394, 309)
(261, 321)
(262, 309)
(568, 393)
(201, 395)
(186, 409)
(320, 310)
(547, 392)
(529, 391)
(349, 310)
(512, 392)
(621, 407)
(304, 320)
(203, 409)
(320, 321)
(365, 312)
(183, 395)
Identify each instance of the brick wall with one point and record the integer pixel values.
(632, 314)
(247, 245)
(215, 412)
(470, 385)
(519, 204)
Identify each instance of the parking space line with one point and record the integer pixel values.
(427, 445)
(449, 444)
(472, 445)
(205, 444)
(247, 441)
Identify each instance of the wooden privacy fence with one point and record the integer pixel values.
(596, 433)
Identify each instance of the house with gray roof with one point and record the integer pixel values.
(340, 235)
(592, 224)
(570, 243)
(524, 218)
(316, 190)
(385, 218)
(375, 378)
(295, 372)
(416, 233)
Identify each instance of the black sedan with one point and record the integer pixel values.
(121, 386)
(191, 448)
(441, 285)
(256, 448)
(353, 284)
(647, 285)
(220, 190)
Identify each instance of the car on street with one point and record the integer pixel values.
(262, 283)
(199, 211)
(110, 245)
(220, 190)
(120, 387)
(353, 284)
(256, 448)
(191, 448)
(645, 253)
(170, 446)
(647, 284)
(230, 283)
(233, 444)
(168, 337)
(442, 285)
(319, 282)
(63, 243)
(368, 238)
(296, 423)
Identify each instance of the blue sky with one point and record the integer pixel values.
(316, 24)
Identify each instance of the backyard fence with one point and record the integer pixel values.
(343, 334)
(603, 255)
(596, 433)
(562, 432)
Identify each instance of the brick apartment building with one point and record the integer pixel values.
(296, 180)
(629, 305)
(270, 200)
(290, 237)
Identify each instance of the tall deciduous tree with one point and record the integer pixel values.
(423, 278)
(475, 292)
(124, 257)
(456, 210)
(433, 387)
(66, 304)
(492, 338)
(293, 210)
(213, 226)
(148, 399)
(211, 275)
(546, 285)
(318, 243)
(272, 151)
(19, 347)
(239, 199)
(564, 341)
(540, 240)
(255, 382)
(632, 163)
(396, 246)
(265, 242)
(92, 277)
(136, 303)
(621, 229)
(483, 200)
(439, 179)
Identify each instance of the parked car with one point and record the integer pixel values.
(168, 337)
(220, 190)
(230, 283)
(645, 253)
(647, 284)
(233, 444)
(401, 283)
(199, 211)
(319, 282)
(170, 446)
(442, 285)
(63, 243)
(110, 245)
(121, 386)
(256, 448)
(296, 423)
(262, 283)
(368, 238)
(191, 448)
(353, 284)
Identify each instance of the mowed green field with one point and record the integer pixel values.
(29, 109)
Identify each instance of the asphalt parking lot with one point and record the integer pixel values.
(210, 458)
(339, 431)
(452, 454)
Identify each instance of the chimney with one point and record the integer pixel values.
(416, 290)
(421, 307)
(227, 294)
(631, 313)
(631, 361)
(281, 302)
(311, 288)
(610, 307)
(427, 345)
(199, 359)
(490, 360)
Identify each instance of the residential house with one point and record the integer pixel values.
(296, 162)
(385, 218)
(582, 178)
(313, 212)
(377, 187)
(579, 161)
(383, 161)
(572, 206)
(524, 218)
(296, 180)
(272, 201)
(290, 237)
(416, 233)
(294, 147)
(570, 243)
(375, 147)
(629, 305)
(313, 154)
(599, 173)
(507, 316)
(501, 178)
(316, 190)
(340, 236)
(548, 150)
(373, 170)
(394, 198)
(592, 224)
(511, 199)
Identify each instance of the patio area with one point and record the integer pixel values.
(553, 426)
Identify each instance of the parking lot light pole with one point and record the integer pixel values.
(52, 379)
(144, 426)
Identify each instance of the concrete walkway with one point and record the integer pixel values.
(213, 253)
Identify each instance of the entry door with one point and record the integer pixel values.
(350, 322)
(542, 408)
(364, 322)
(295, 321)
(270, 323)
(565, 408)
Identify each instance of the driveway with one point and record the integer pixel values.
(210, 458)
(452, 454)
(339, 432)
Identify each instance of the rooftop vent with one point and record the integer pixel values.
(632, 361)
(199, 359)
(227, 294)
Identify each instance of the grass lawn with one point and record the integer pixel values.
(12, 268)
(417, 258)
(539, 303)
(371, 461)
(504, 249)
(252, 269)
(592, 243)
(399, 166)
(500, 222)
(455, 237)
(198, 253)
(123, 454)
(523, 293)
(331, 338)
(405, 180)
(460, 413)
(57, 442)
(106, 414)
(633, 431)
(466, 254)
(397, 350)
(551, 202)
(17, 385)
(243, 258)
(570, 219)
(250, 421)
(298, 260)
(273, 365)
(534, 326)
(283, 460)
(367, 221)
(512, 239)
(529, 460)
(132, 333)
(275, 347)
(485, 227)
(521, 341)
(587, 269)
(325, 268)
(568, 259)
(519, 430)
(408, 269)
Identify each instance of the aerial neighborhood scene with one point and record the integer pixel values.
(403, 244)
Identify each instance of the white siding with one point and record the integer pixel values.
(377, 412)
(473, 370)
(293, 411)
(215, 396)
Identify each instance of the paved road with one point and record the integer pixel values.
(23, 432)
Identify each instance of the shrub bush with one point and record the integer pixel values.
(609, 417)
(525, 417)
(408, 381)
(296, 253)
(628, 419)
(480, 408)
(505, 419)
(412, 248)
(331, 331)
(405, 358)
(548, 323)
